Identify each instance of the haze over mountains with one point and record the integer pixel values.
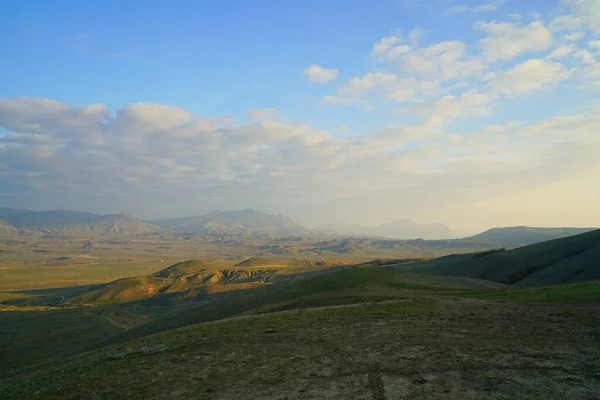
(401, 229)
(235, 222)
(248, 223)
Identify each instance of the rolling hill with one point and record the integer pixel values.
(565, 260)
(186, 281)
(246, 222)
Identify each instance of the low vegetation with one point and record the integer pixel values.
(314, 329)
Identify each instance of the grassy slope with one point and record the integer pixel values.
(367, 311)
(570, 259)
(417, 348)
(339, 281)
(30, 337)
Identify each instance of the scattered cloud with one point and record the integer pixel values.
(506, 40)
(384, 44)
(562, 51)
(528, 76)
(572, 37)
(448, 108)
(457, 9)
(566, 23)
(491, 5)
(319, 75)
(262, 113)
(585, 56)
(585, 11)
(594, 45)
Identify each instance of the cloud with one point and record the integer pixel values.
(491, 5)
(188, 164)
(457, 9)
(384, 44)
(562, 51)
(586, 11)
(566, 23)
(319, 75)
(444, 60)
(573, 36)
(529, 76)
(506, 40)
(263, 113)
(585, 56)
(594, 45)
(468, 104)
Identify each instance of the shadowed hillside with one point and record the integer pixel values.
(524, 235)
(566, 260)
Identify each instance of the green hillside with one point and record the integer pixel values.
(346, 285)
(357, 333)
(33, 335)
(565, 260)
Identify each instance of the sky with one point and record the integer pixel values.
(469, 113)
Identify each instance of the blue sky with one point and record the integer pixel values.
(387, 109)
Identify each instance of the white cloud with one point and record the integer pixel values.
(587, 11)
(275, 166)
(445, 61)
(594, 45)
(573, 36)
(566, 23)
(319, 75)
(384, 44)
(506, 40)
(585, 56)
(529, 76)
(562, 51)
(263, 113)
(491, 5)
(457, 9)
(357, 86)
(468, 104)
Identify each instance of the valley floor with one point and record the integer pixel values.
(430, 347)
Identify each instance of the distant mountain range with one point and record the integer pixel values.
(242, 222)
(250, 223)
(71, 223)
(401, 229)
